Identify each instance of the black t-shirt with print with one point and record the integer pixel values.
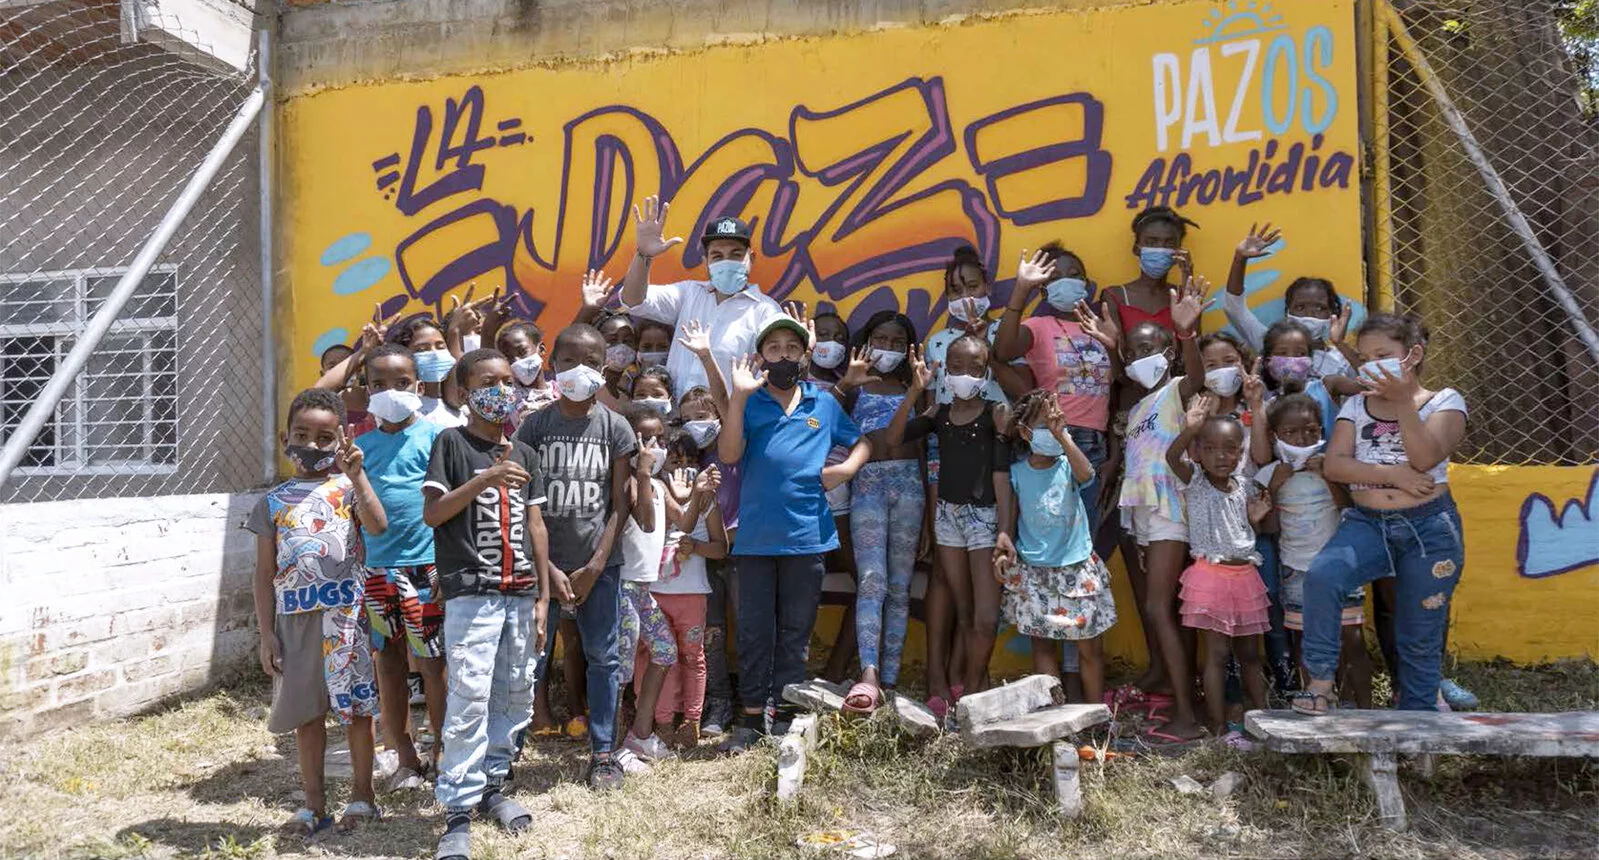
(577, 456)
(487, 547)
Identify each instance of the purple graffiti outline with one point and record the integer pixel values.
(1100, 161)
(1524, 544)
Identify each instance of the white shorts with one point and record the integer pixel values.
(1150, 526)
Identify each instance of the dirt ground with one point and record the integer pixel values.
(204, 779)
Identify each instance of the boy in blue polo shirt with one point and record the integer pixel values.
(779, 428)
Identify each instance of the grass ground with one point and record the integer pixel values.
(205, 779)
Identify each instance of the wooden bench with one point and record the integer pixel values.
(1030, 713)
(1380, 736)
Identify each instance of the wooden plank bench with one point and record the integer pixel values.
(1031, 713)
(1380, 736)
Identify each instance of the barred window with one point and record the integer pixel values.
(120, 416)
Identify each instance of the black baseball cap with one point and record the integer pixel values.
(726, 227)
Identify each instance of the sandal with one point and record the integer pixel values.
(1299, 701)
(454, 846)
(938, 706)
(1124, 697)
(509, 814)
(862, 690)
(357, 814)
(955, 692)
(306, 823)
(549, 731)
(577, 728)
(1167, 739)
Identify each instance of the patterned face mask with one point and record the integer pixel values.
(309, 457)
(492, 402)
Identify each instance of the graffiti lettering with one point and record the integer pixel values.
(1551, 543)
(1178, 184)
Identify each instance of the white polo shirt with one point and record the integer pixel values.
(733, 324)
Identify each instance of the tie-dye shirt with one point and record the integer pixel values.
(1151, 426)
(319, 551)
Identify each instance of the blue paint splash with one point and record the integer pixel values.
(361, 276)
(346, 248)
(331, 337)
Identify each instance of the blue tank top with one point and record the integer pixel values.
(872, 412)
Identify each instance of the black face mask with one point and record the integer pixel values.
(310, 459)
(783, 374)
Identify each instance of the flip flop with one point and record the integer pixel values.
(956, 691)
(938, 706)
(862, 690)
(1167, 739)
(454, 846)
(1297, 703)
(509, 814)
(357, 814)
(306, 823)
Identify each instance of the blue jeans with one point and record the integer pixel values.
(777, 600)
(1092, 444)
(488, 653)
(1271, 574)
(599, 623)
(1422, 546)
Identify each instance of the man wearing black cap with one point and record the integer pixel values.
(731, 308)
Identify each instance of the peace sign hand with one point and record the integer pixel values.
(348, 455)
(1259, 241)
(649, 222)
(921, 372)
(1340, 325)
(1254, 387)
(375, 332)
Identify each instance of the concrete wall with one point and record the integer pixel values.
(112, 607)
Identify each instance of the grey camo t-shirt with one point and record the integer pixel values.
(577, 455)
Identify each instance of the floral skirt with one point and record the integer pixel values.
(1071, 602)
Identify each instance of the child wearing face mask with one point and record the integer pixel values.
(654, 513)
(1391, 446)
(433, 364)
(829, 358)
(652, 389)
(482, 496)
(1308, 510)
(779, 428)
(586, 450)
(523, 344)
(1223, 595)
(621, 358)
(1289, 368)
(654, 343)
(1158, 234)
(885, 497)
(407, 623)
(315, 643)
(965, 518)
(1310, 302)
(1056, 588)
(1152, 503)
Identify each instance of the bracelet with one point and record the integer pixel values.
(1189, 337)
(1010, 309)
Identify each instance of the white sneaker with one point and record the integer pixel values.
(629, 761)
(651, 748)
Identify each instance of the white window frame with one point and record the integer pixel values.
(79, 394)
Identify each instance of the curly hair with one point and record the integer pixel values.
(316, 398)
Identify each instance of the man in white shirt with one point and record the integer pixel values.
(731, 309)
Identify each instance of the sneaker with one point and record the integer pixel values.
(605, 774)
(1458, 697)
(651, 748)
(718, 716)
(630, 761)
(740, 740)
(413, 682)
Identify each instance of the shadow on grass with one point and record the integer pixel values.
(195, 838)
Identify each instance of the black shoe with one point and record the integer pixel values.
(605, 774)
(718, 717)
(740, 740)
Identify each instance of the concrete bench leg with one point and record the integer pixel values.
(791, 752)
(1382, 774)
(1068, 792)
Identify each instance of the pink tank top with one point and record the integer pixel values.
(1074, 366)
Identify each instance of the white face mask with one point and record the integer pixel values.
(1320, 328)
(1148, 370)
(578, 383)
(969, 309)
(1224, 380)
(885, 360)
(702, 430)
(661, 405)
(393, 406)
(652, 359)
(526, 369)
(470, 342)
(964, 387)
(1296, 455)
(828, 354)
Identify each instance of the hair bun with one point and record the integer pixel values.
(967, 254)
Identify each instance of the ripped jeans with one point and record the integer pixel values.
(1423, 548)
(489, 654)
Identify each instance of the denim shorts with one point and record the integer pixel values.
(965, 526)
(1293, 600)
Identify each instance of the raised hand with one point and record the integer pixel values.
(1259, 241)
(374, 332)
(1340, 324)
(708, 480)
(797, 311)
(506, 472)
(1100, 328)
(649, 220)
(596, 289)
(1254, 387)
(1184, 262)
(464, 316)
(747, 375)
(1034, 272)
(1199, 409)
(1187, 307)
(1054, 418)
(681, 485)
(696, 338)
(1388, 386)
(921, 373)
(349, 456)
(858, 372)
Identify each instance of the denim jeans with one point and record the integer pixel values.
(488, 653)
(1271, 574)
(718, 682)
(1092, 444)
(599, 622)
(1422, 546)
(777, 600)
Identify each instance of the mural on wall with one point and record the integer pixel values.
(1553, 543)
(861, 161)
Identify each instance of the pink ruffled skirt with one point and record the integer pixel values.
(1225, 598)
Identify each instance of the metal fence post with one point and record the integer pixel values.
(269, 353)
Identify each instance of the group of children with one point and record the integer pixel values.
(445, 491)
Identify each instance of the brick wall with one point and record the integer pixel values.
(113, 605)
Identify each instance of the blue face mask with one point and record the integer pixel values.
(1044, 443)
(729, 277)
(1372, 370)
(1156, 262)
(433, 365)
(1063, 294)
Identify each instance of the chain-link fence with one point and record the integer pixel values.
(105, 114)
(1445, 247)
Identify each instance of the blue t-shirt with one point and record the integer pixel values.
(1052, 529)
(782, 508)
(396, 463)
